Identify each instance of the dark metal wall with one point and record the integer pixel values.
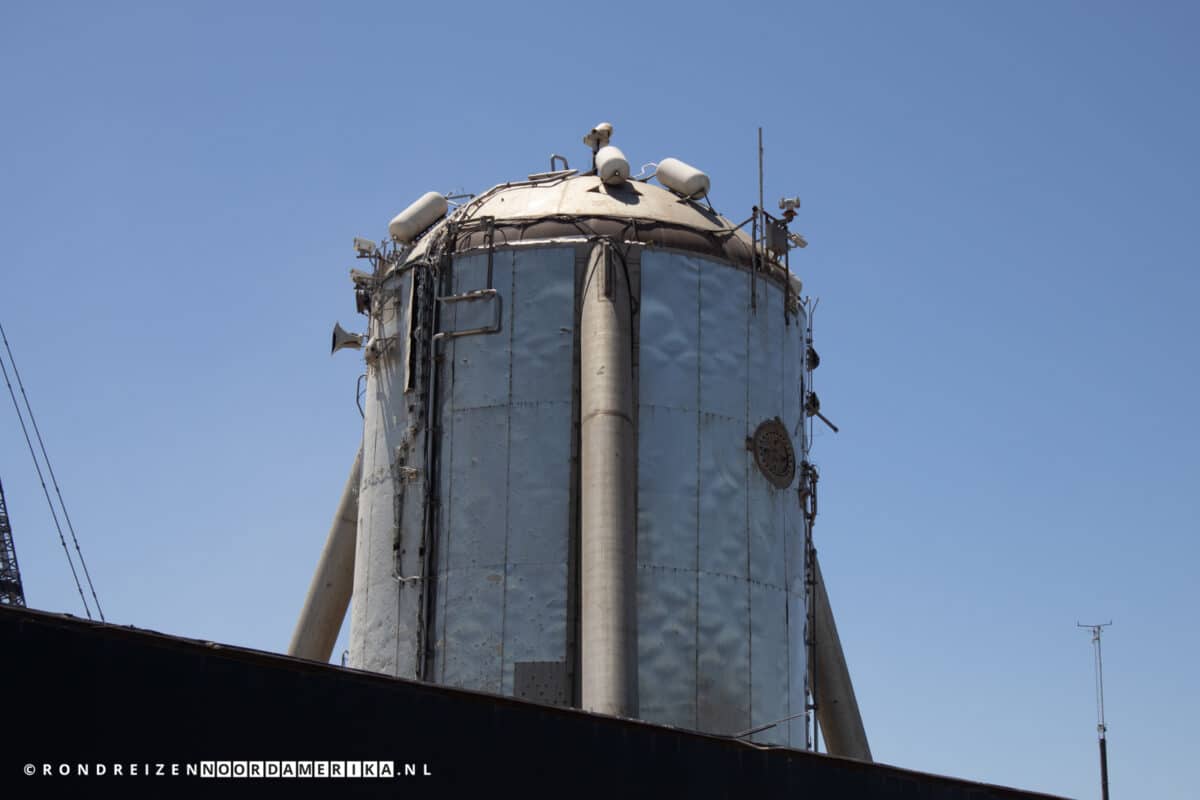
(91, 693)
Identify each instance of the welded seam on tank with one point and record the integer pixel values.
(713, 573)
(773, 691)
(633, 272)
(750, 318)
(787, 604)
(514, 404)
(445, 498)
(699, 435)
(397, 494)
(574, 533)
(784, 500)
(603, 412)
(504, 570)
(708, 414)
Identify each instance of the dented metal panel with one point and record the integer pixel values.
(538, 477)
(474, 603)
(669, 335)
(667, 620)
(543, 326)
(714, 535)
(668, 497)
(724, 316)
(723, 547)
(723, 591)
(475, 537)
(766, 354)
(535, 619)
(723, 654)
(504, 523)
(769, 691)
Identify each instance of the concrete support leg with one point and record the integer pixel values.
(329, 594)
(837, 708)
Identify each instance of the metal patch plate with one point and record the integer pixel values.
(541, 681)
(773, 452)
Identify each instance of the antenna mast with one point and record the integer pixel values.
(760, 230)
(1101, 728)
(11, 591)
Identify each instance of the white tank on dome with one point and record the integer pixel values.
(409, 223)
(682, 178)
(611, 165)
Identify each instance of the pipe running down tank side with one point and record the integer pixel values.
(607, 522)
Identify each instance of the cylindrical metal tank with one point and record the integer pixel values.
(475, 518)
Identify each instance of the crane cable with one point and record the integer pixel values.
(53, 480)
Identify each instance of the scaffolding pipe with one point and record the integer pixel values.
(837, 708)
(329, 594)
(607, 514)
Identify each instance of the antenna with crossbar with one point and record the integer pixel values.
(1101, 728)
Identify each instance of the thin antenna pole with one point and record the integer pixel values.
(1101, 727)
(760, 228)
(761, 208)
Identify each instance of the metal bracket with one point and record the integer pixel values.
(478, 295)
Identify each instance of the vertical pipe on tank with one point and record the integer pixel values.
(607, 451)
(329, 594)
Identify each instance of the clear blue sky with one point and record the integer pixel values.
(1001, 200)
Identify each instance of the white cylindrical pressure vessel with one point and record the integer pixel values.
(409, 223)
(611, 165)
(682, 178)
